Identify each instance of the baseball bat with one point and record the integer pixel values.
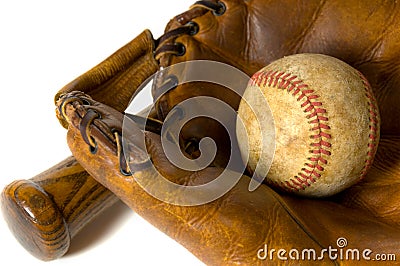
(45, 212)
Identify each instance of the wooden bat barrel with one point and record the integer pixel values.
(45, 212)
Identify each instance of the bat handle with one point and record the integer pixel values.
(45, 212)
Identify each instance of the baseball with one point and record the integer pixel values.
(326, 123)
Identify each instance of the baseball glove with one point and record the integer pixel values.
(237, 227)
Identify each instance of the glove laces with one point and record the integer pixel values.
(166, 44)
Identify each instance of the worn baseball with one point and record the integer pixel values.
(326, 123)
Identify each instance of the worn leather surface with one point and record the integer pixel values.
(233, 228)
(116, 79)
(252, 34)
(249, 35)
(366, 35)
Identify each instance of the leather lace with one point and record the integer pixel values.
(218, 8)
(166, 44)
(90, 117)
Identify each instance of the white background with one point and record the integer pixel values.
(43, 46)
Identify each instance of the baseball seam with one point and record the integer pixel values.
(316, 115)
(373, 125)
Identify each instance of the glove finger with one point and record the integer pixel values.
(116, 79)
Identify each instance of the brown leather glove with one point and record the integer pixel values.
(237, 226)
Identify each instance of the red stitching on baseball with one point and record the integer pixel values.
(300, 181)
(322, 160)
(315, 111)
(322, 126)
(373, 125)
(292, 185)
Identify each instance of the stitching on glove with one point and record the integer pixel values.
(316, 114)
